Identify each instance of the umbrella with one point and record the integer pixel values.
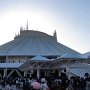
(35, 85)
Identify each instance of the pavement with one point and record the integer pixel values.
(13, 87)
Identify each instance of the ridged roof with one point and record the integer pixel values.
(86, 55)
(31, 42)
(71, 55)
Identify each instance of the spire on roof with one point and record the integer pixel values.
(55, 34)
(27, 25)
(21, 28)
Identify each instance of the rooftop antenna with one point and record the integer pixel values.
(27, 25)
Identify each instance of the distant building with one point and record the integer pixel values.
(35, 53)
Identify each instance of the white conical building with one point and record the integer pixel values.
(18, 53)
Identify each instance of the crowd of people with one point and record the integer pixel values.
(47, 83)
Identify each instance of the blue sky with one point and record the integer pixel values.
(70, 18)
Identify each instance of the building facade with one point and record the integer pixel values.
(37, 53)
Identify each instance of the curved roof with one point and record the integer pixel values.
(31, 42)
(71, 55)
(86, 55)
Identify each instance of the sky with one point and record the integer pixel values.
(70, 19)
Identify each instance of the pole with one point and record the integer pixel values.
(6, 63)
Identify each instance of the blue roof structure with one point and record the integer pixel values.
(38, 57)
(10, 65)
(71, 55)
(86, 55)
(32, 43)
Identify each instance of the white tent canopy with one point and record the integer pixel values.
(38, 57)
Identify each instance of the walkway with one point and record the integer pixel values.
(13, 87)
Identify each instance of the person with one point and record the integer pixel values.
(7, 86)
(88, 83)
(44, 85)
(35, 86)
(64, 80)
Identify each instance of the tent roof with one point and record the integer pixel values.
(38, 57)
(71, 55)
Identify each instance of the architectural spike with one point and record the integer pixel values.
(27, 25)
(15, 34)
(55, 34)
(21, 28)
(18, 33)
